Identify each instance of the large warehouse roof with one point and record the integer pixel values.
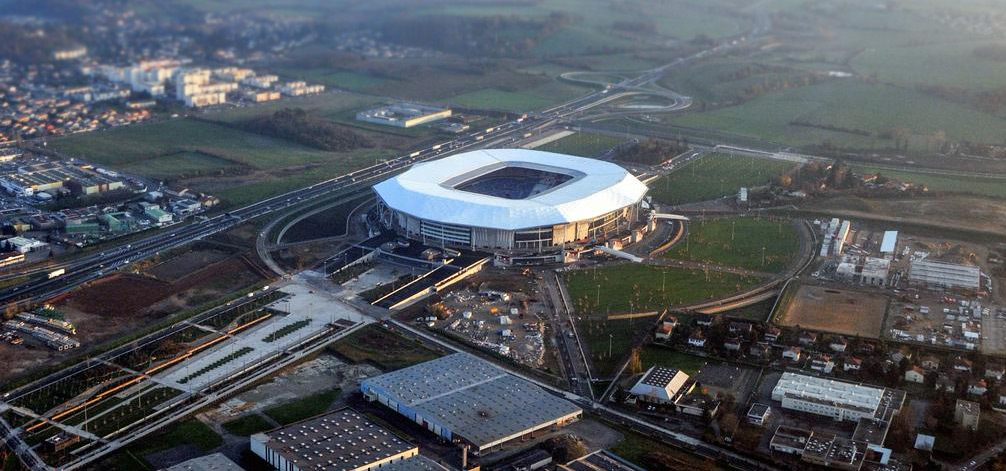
(428, 190)
(472, 398)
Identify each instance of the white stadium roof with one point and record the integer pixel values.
(426, 190)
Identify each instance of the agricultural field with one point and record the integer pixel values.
(135, 144)
(714, 176)
(531, 99)
(582, 144)
(827, 115)
(830, 310)
(631, 287)
(756, 244)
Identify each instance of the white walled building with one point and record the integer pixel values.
(944, 275)
(661, 385)
(837, 399)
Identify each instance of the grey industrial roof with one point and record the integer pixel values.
(659, 376)
(472, 398)
(415, 463)
(211, 462)
(344, 439)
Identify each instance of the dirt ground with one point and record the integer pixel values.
(126, 302)
(191, 261)
(834, 310)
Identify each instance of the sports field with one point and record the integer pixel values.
(633, 287)
(581, 144)
(755, 244)
(714, 176)
(831, 310)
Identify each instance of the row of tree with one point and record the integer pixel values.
(295, 124)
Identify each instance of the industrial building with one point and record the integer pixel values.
(835, 236)
(212, 462)
(889, 244)
(832, 398)
(662, 385)
(470, 402)
(344, 440)
(526, 206)
(866, 270)
(53, 175)
(404, 115)
(944, 275)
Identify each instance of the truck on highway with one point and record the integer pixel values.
(57, 273)
(414, 154)
(490, 130)
(436, 147)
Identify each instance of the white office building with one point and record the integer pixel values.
(837, 399)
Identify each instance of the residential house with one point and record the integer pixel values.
(945, 383)
(977, 387)
(962, 364)
(732, 344)
(740, 328)
(901, 354)
(915, 374)
(822, 362)
(838, 344)
(995, 371)
(759, 350)
(852, 364)
(705, 321)
(666, 328)
(792, 353)
(807, 338)
(931, 362)
(772, 334)
(697, 339)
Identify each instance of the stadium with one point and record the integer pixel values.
(525, 206)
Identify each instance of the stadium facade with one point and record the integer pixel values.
(519, 204)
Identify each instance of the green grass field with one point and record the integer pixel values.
(849, 104)
(632, 287)
(181, 165)
(654, 355)
(531, 99)
(739, 242)
(951, 64)
(247, 425)
(136, 144)
(584, 145)
(716, 175)
(264, 186)
(303, 408)
(382, 348)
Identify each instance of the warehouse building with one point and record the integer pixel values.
(404, 115)
(836, 399)
(662, 385)
(343, 440)
(944, 275)
(469, 401)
